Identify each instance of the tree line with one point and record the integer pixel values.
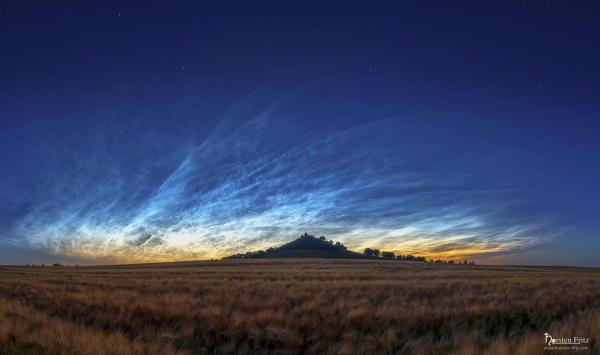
(392, 256)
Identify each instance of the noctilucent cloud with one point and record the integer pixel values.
(149, 132)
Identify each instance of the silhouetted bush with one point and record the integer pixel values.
(388, 255)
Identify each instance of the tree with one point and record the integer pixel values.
(388, 255)
(368, 252)
(376, 252)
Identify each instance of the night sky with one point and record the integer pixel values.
(162, 131)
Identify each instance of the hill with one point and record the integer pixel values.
(307, 246)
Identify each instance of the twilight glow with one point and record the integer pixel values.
(139, 133)
(261, 184)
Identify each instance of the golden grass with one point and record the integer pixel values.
(294, 306)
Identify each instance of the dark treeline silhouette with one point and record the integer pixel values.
(309, 246)
(390, 255)
(464, 262)
(53, 265)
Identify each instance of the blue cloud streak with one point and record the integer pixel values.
(262, 183)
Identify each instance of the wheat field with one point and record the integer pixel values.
(299, 306)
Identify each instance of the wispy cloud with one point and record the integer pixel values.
(262, 183)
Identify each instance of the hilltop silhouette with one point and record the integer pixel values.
(307, 246)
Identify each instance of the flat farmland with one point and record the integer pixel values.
(295, 306)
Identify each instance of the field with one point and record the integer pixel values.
(295, 306)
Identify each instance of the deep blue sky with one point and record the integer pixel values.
(175, 131)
